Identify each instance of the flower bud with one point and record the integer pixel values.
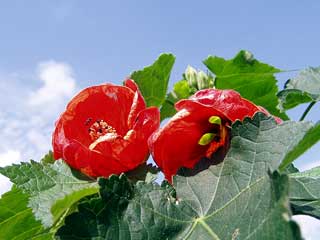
(191, 76)
(248, 56)
(202, 80)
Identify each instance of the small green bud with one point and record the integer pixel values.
(191, 76)
(203, 80)
(248, 56)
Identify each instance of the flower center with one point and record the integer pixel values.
(99, 128)
(215, 138)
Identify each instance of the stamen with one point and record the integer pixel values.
(206, 139)
(215, 120)
(100, 128)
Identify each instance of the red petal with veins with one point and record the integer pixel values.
(176, 144)
(105, 129)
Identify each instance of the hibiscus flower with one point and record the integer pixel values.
(199, 129)
(104, 130)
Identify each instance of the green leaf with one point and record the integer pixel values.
(254, 80)
(305, 192)
(48, 158)
(144, 172)
(237, 199)
(153, 80)
(308, 81)
(310, 138)
(291, 169)
(301, 89)
(167, 109)
(291, 98)
(16, 219)
(53, 189)
(181, 90)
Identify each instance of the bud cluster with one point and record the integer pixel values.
(198, 80)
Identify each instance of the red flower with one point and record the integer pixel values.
(199, 128)
(105, 129)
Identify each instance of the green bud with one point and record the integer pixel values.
(203, 80)
(248, 56)
(191, 76)
(206, 139)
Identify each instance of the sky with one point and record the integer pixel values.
(49, 50)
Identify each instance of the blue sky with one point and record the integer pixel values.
(90, 42)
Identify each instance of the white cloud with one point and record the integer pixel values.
(9, 157)
(5, 184)
(58, 82)
(310, 227)
(47, 102)
(26, 126)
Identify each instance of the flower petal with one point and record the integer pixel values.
(132, 149)
(227, 102)
(138, 103)
(176, 144)
(89, 162)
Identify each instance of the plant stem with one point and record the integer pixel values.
(307, 110)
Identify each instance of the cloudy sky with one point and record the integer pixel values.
(49, 50)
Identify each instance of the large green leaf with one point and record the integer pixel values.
(168, 109)
(310, 138)
(53, 188)
(16, 219)
(181, 90)
(301, 89)
(153, 80)
(305, 192)
(254, 80)
(237, 199)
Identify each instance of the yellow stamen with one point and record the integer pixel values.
(215, 120)
(100, 128)
(206, 139)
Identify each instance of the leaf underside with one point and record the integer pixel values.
(305, 192)
(52, 188)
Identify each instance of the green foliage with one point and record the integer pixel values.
(153, 80)
(291, 98)
(305, 192)
(16, 218)
(301, 89)
(254, 80)
(144, 172)
(167, 109)
(311, 138)
(48, 158)
(181, 90)
(52, 188)
(238, 198)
